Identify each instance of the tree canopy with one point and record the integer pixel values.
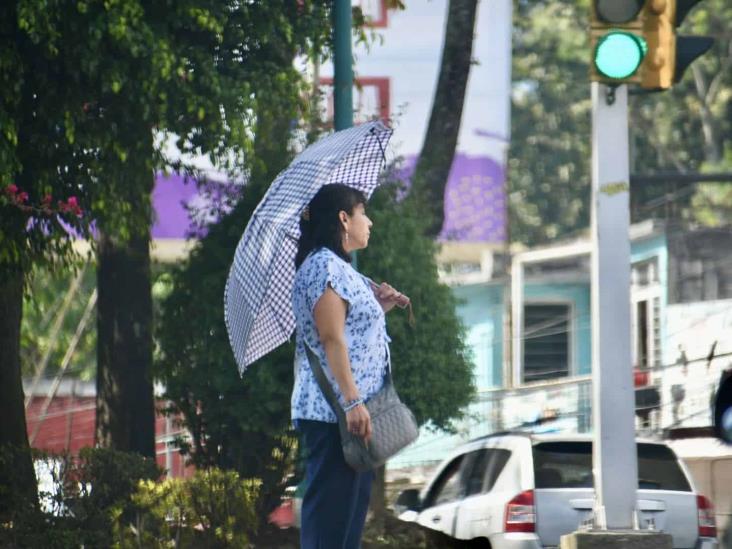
(686, 129)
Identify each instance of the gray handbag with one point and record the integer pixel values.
(392, 424)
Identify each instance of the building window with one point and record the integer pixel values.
(374, 11)
(645, 273)
(546, 341)
(370, 99)
(647, 332)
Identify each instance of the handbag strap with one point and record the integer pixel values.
(324, 385)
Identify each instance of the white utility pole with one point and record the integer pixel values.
(615, 460)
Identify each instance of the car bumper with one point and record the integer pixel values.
(515, 541)
(531, 541)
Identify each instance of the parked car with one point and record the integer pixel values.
(522, 491)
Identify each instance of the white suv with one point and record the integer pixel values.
(522, 491)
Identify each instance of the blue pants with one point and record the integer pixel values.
(337, 497)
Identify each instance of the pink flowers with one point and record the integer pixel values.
(20, 199)
(70, 206)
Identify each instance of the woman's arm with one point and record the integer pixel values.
(330, 320)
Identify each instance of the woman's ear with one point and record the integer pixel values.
(343, 216)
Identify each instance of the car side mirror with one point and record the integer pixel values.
(408, 500)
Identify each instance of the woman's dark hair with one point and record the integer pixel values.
(321, 226)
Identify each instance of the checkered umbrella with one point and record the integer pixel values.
(257, 300)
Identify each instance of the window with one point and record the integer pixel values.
(569, 465)
(658, 469)
(371, 98)
(646, 321)
(546, 341)
(642, 335)
(482, 468)
(374, 11)
(644, 273)
(447, 486)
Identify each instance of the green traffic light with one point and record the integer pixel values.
(618, 54)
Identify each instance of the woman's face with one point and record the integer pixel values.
(358, 228)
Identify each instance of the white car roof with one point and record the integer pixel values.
(550, 437)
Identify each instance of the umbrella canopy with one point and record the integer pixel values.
(257, 299)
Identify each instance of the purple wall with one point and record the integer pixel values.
(475, 202)
(170, 196)
(475, 199)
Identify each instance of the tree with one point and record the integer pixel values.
(123, 74)
(688, 129)
(435, 158)
(549, 158)
(431, 364)
(685, 129)
(244, 423)
(42, 173)
(235, 423)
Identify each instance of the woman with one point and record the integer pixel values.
(340, 316)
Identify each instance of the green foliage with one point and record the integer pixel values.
(243, 423)
(105, 498)
(98, 486)
(82, 500)
(48, 290)
(92, 91)
(686, 129)
(432, 368)
(235, 423)
(549, 158)
(213, 509)
(689, 128)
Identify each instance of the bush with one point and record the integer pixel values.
(81, 500)
(105, 498)
(213, 509)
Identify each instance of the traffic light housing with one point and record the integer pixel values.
(618, 45)
(722, 412)
(668, 54)
(635, 42)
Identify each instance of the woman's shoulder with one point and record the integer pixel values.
(323, 258)
(324, 265)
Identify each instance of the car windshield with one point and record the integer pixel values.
(569, 465)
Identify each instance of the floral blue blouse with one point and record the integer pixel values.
(366, 337)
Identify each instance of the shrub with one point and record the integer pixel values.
(213, 509)
(106, 498)
(81, 500)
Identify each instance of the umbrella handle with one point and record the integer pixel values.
(402, 302)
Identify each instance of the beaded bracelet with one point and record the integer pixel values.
(350, 405)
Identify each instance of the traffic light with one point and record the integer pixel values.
(618, 45)
(722, 411)
(634, 41)
(668, 54)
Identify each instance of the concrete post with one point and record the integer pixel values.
(615, 460)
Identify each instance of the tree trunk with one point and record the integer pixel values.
(438, 150)
(17, 475)
(125, 403)
(378, 499)
(712, 145)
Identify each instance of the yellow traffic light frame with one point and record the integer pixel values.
(657, 70)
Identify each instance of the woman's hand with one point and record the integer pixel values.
(358, 421)
(388, 296)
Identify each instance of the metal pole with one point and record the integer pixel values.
(342, 65)
(615, 459)
(343, 73)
